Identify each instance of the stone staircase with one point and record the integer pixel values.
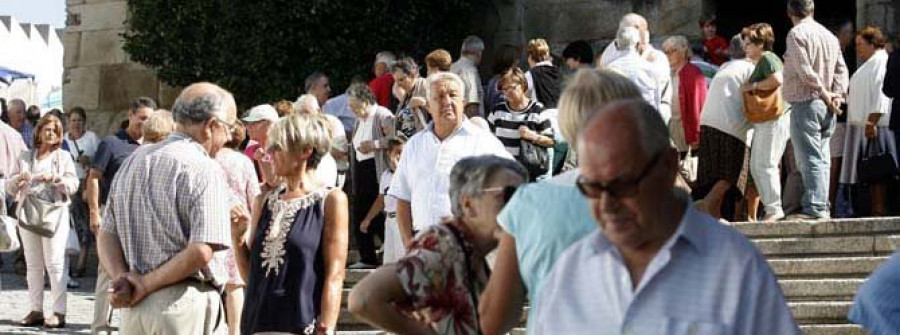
(820, 266)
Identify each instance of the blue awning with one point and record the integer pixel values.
(8, 75)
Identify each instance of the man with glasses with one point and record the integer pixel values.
(167, 213)
(656, 265)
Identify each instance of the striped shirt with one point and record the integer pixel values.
(706, 279)
(505, 123)
(813, 63)
(165, 196)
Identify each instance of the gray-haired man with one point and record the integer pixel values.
(165, 216)
(467, 70)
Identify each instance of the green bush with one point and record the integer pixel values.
(263, 50)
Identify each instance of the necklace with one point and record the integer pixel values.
(283, 213)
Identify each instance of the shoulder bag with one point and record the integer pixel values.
(763, 105)
(40, 216)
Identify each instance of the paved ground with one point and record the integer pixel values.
(14, 302)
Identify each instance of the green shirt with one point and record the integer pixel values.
(767, 65)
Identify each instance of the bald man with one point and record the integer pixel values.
(166, 214)
(657, 265)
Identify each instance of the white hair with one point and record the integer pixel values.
(386, 57)
(628, 38)
(472, 44)
(442, 77)
(307, 103)
(632, 20)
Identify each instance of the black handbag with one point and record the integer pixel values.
(535, 158)
(876, 166)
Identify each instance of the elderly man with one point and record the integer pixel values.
(815, 82)
(657, 58)
(333, 167)
(636, 68)
(467, 69)
(317, 84)
(163, 263)
(657, 265)
(383, 82)
(422, 178)
(108, 159)
(17, 119)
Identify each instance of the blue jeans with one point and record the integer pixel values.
(811, 128)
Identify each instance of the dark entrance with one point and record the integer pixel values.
(732, 16)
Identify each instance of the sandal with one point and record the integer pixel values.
(34, 318)
(55, 321)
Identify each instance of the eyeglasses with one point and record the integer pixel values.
(508, 191)
(509, 87)
(616, 188)
(228, 126)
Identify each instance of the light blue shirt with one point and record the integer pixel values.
(339, 108)
(545, 218)
(707, 279)
(877, 304)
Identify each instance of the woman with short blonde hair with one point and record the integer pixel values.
(158, 126)
(543, 77)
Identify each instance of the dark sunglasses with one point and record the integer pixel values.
(508, 191)
(616, 188)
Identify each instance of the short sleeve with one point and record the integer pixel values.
(508, 217)
(400, 186)
(102, 157)
(206, 208)
(424, 270)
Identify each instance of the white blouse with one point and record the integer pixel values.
(865, 91)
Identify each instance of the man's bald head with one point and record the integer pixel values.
(200, 102)
(628, 121)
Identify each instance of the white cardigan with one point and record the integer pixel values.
(65, 170)
(865, 92)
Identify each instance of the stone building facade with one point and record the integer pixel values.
(100, 77)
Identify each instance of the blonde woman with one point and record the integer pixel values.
(158, 126)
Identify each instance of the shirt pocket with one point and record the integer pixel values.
(680, 326)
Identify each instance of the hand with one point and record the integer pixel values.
(24, 178)
(84, 160)
(47, 177)
(527, 134)
(120, 292)
(322, 329)
(139, 289)
(366, 147)
(871, 131)
(364, 225)
(240, 219)
(416, 102)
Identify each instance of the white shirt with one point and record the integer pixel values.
(88, 144)
(364, 133)
(423, 175)
(384, 183)
(865, 91)
(660, 67)
(338, 141)
(707, 279)
(327, 172)
(473, 93)
(641, 72)
(724, 107)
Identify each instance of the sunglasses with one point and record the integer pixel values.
(616, 188)
(508, 191)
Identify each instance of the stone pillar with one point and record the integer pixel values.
(879, 13)
(99, 76)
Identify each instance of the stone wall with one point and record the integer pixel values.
(99, 75)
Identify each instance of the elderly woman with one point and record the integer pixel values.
(46, 173)
(688, 94)
(373, 125)
(723, 134)
(82, 145)
(544, 218)
(438, 60)
(869, 112)
(158, 126)
(243, 187)
(412, 116)
(444, 271)
(769, 137)
(520, 119)
(292, 250)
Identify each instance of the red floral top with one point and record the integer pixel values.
(436, 278)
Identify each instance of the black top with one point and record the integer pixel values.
(891, 88)
(546, 85)
(111, 153)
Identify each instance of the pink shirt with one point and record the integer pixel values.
(813, 63)
(11, 148)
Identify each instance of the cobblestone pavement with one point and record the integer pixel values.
(14, 302)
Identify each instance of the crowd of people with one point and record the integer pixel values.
(593, 191)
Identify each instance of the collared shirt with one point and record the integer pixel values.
(27, 133)
(661, 69)
(168, 195)
(877, 304)
(724, 106)
(111, 153)
(339, 108)
(473, 93)
(11, 148)
(866, 96)
(813, 63)
(423, 175)
(706, 279)
(642, 73)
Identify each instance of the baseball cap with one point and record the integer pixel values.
(260, 113)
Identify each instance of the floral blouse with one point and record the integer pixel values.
(436, 278)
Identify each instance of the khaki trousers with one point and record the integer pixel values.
(184, 308)
(101, 301)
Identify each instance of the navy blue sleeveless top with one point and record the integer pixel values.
(286, 266)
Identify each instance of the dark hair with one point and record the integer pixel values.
(407, 65)
(760, 34)
(395, 141)
(505, 57)
(3, 108)
(873, 36)
(79, 111)
(707, 19)
(800, 8)
(142, 102)
(311, 80)
(237, 136)
(580, 51)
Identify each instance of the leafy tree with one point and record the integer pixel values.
(263, 50)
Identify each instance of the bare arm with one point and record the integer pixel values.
(242, 237)
(335, 239)
(500, 307)
(404, 220)
(376, 208)
(92, 198)
(771, 82)
(372, 300)
(112, 258)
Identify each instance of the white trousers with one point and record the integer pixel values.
(769, 142)
(46, 253)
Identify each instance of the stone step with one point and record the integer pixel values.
(820, 312)
(831, 267)
(839, 329)
(875, 245)
(353, 276)
(820, 289)
(839, 227)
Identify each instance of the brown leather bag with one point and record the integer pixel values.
(762, 106)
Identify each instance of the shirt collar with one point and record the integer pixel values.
(179, 136)
(543, 63)
(689, 230)
(123, 135)
(466, 127)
